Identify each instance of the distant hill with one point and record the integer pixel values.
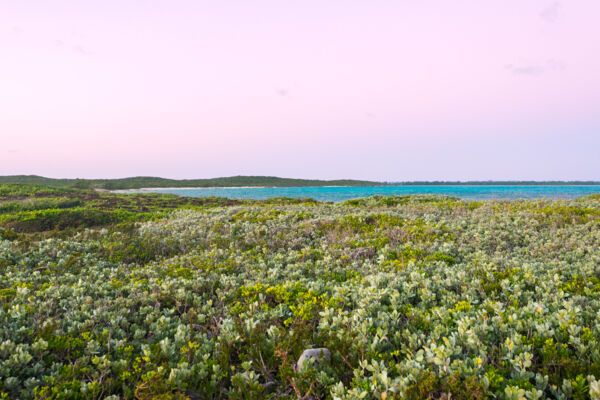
(252, 181)
(153, 182)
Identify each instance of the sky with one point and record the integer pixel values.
(388, 90)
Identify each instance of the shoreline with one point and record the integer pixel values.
(186, 188)
(218, 187)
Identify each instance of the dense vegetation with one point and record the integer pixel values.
(153, 182)
(416, 297)
(250, 181)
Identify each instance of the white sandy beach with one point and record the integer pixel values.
(186, 188)
(214, 187)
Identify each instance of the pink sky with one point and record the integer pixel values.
(377, 89)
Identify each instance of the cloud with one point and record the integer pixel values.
(525, 69)
(555, 65)
(551, 12)
(283, 92)
(535, 69)
(79, 49)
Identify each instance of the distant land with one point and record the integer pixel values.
(139, 182)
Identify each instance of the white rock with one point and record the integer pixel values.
(315, 354)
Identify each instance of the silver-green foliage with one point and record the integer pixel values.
(414, 297)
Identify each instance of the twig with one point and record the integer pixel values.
(346, 362)
(289, 378)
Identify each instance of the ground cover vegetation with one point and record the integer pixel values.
(156, 296)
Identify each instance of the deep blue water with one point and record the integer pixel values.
(344, 193)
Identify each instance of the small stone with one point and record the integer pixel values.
(315, 354)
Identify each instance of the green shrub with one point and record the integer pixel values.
(160, 297)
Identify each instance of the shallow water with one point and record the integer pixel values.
(344, 193)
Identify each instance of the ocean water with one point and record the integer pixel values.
(343, 193)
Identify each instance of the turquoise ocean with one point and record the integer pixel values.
(343, 193)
